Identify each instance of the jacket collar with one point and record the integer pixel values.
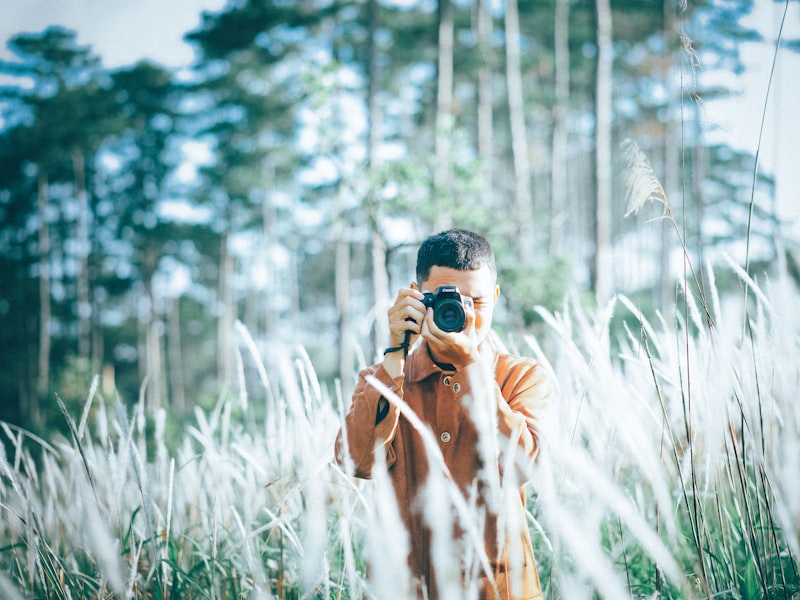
(420, 365)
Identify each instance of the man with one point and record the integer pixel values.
(483, 407)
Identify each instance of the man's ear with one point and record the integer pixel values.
(414, 285)
(496, 293)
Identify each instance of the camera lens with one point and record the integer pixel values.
(449, 315)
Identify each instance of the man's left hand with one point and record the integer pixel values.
(458, 348)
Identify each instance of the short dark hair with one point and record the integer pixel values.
(457, 249)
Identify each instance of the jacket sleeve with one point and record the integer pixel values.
(522, 406)
(363, 433)
(514, 398)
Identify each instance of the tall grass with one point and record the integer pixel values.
(693, 437)
(671, 469)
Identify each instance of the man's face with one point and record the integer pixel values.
(480, 285)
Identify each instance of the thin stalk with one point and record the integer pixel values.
(762, 439)
(694, 510)
(730, 574)
(755, 163)
(676, 458)
(748, 528)
(686, 396)
(774, 537)
(76, 437)
(760, 542)
(624, 555)
(664, 427)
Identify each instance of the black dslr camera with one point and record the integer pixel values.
(448, 307)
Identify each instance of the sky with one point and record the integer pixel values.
(738, 119)
(124, 31)
(120, 31)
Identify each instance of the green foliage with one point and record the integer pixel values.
(528, 287)
(313, 124)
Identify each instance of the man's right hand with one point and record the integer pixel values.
(406, 314)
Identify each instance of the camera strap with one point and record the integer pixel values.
(403, 346)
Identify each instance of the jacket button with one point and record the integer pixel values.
(445, 437)
(447, 380)
(456, 387)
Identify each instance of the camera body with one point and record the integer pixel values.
(448, 307)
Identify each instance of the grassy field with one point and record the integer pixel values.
(671, 470)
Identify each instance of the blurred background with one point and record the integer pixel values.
(169, 170)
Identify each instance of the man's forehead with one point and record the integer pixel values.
(476, 280)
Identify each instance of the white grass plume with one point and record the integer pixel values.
(640, 181)
(584, 471)
(103, 545)
(87, 406)
(621, 457)
(250, 344)
(728, 385)
(314, 537)
(440, 472)
(386, 539)
(8, 590)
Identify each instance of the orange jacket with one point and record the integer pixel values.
(456, 406)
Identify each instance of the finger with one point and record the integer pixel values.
(469, 313)
(413, 313)
(430, 330)
(405, 293)
(405, 313)
(409, 325)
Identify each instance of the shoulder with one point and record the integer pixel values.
(511, 363)
(379, 372)
(370, 370)
(521, 372)
(507, 364)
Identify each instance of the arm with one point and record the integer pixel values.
(518, 393)
(367, 429)
(372, 421)
(525, 395)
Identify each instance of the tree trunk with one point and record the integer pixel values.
(268, 313)
(295, 259)
(672, 150)
(559, 173)
(152, 334)
(175, 355)
(252, 308)
(603, 275)
(699, 169)
(444, 113)
(141, 331)
(83, 293)
(155, 387)
(43, 378)
(485, 100)
(226, 315)
(380, 275)
(342, 283)
(523, 210)
(374, 116)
